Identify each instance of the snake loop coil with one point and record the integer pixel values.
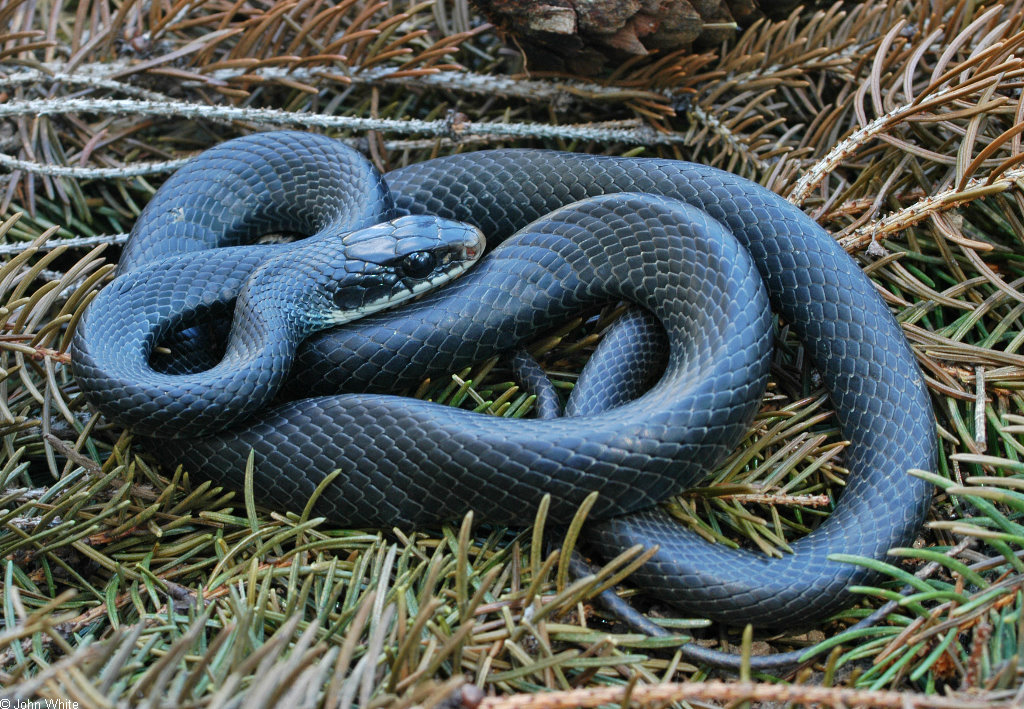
(684, 241)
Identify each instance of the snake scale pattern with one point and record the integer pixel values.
(681, 240)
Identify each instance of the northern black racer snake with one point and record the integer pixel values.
(412, 462)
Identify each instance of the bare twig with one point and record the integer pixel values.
(453, 127)
(714, 691)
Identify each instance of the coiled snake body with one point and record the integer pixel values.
(682, 242)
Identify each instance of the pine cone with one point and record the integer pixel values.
(585, 36)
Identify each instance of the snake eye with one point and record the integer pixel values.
(418, 264)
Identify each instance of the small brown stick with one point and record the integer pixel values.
(940, 202)
(763, 498)
(735, 692)
(980, 401)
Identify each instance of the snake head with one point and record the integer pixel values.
(333, 279)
